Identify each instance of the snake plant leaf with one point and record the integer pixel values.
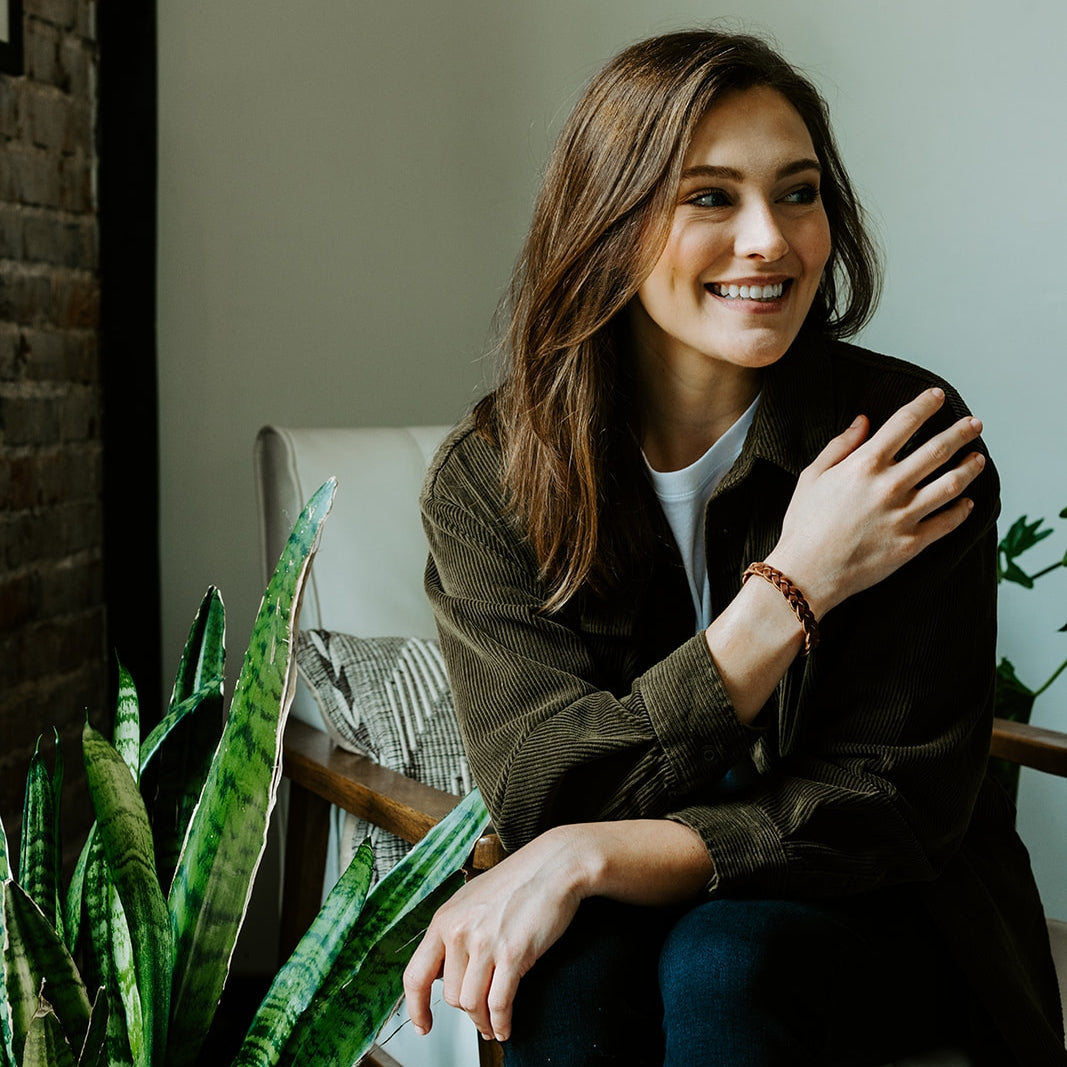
(94, 1048)
(182, 767)
(34, 953)
(98, 955)
(440, 853)
(38, 875)
(293, 987)
(7, 1052)
(46, 1044)
(352, 1017)
(125, 972)
(127, 731)
(222, 851)
(73, 907)
(122, 825)
(204, 655)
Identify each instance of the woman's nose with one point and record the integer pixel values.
(759, 234)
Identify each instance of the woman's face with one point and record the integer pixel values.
(747, 244)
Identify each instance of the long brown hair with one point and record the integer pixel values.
(563, 414)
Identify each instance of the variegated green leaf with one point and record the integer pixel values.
(73, 909)
(46, 1043)
(122, 825)
(94, 1048)
(57, 831)
(37, 857)
(127, 734)
(33, 954)
(293, 987)
(125, 971)
(210, 690)
(348, 1022)
(7, 1052)
(435, 858)
(204, 655)
(183, 763)
(98, 890)
(211, 887)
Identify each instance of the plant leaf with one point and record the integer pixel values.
(182, 767)
(204, 655)
(212, 884)
(95, 1044)
(7, 1052)
(33, 953)
(440, 853)
(122, 825)
(353, 1016)
(1012, 572)
(127, 732)
(46, 1044)
(125, 973)
(98, 889)
(37, 857)
(295, 984)
(72, 912)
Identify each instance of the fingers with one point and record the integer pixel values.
(905, 422)
(948, 487)
(419, 975)
(841, 446)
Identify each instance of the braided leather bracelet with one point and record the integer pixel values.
(793, 595)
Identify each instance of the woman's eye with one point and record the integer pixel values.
(806, 194)
(710, 198)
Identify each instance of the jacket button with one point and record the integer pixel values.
(708, 754)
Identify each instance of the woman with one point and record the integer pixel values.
(729, 846)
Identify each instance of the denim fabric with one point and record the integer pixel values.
(737, 983)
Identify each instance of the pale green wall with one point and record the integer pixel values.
(344, 185)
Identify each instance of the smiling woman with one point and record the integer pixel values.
(749, 820)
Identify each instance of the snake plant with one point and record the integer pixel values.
(126, 967)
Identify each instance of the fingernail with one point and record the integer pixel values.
(856, 421)
(976, 425)
(979, 459)
(938, 392)
(421, 1031)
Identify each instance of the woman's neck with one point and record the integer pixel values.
(683, 416)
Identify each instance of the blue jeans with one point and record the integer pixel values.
(738, 983)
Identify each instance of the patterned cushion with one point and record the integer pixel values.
(387, 698)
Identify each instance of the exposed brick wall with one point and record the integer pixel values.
(53, 663)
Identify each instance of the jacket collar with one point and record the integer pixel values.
(796, 414)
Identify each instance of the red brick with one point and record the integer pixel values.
(59, 355)
(9, 124)
(73, 585)
(58, 12)
(11, 246)
(10, 350)
(30, 176)
(62, 240)
(19, 599)
(54, 120)
(61, 475)
(40, 46)
(75, 300)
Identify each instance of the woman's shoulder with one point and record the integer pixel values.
(880, 384)
(466, 473)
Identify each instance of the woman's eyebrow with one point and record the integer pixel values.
(706, 170)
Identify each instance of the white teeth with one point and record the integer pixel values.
(749, 292)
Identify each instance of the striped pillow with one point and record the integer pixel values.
(387, 698)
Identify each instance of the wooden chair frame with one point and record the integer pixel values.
(321, 774)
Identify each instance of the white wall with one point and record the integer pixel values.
(344, 186)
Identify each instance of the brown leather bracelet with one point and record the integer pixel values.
(796, 599)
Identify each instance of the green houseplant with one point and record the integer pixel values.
(1014, 699)
(127, 965)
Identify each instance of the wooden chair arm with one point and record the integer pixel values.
(370, 791)
(1030, 746)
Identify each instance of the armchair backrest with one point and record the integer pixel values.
(367, 576)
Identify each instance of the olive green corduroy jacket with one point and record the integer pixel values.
(870, 756)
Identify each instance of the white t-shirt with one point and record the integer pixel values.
(684, 494)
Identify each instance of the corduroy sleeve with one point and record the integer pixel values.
(546, 744)
(883, 741)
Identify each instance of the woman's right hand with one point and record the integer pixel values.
(858, 513)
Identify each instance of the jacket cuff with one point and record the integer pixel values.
(692, 716)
